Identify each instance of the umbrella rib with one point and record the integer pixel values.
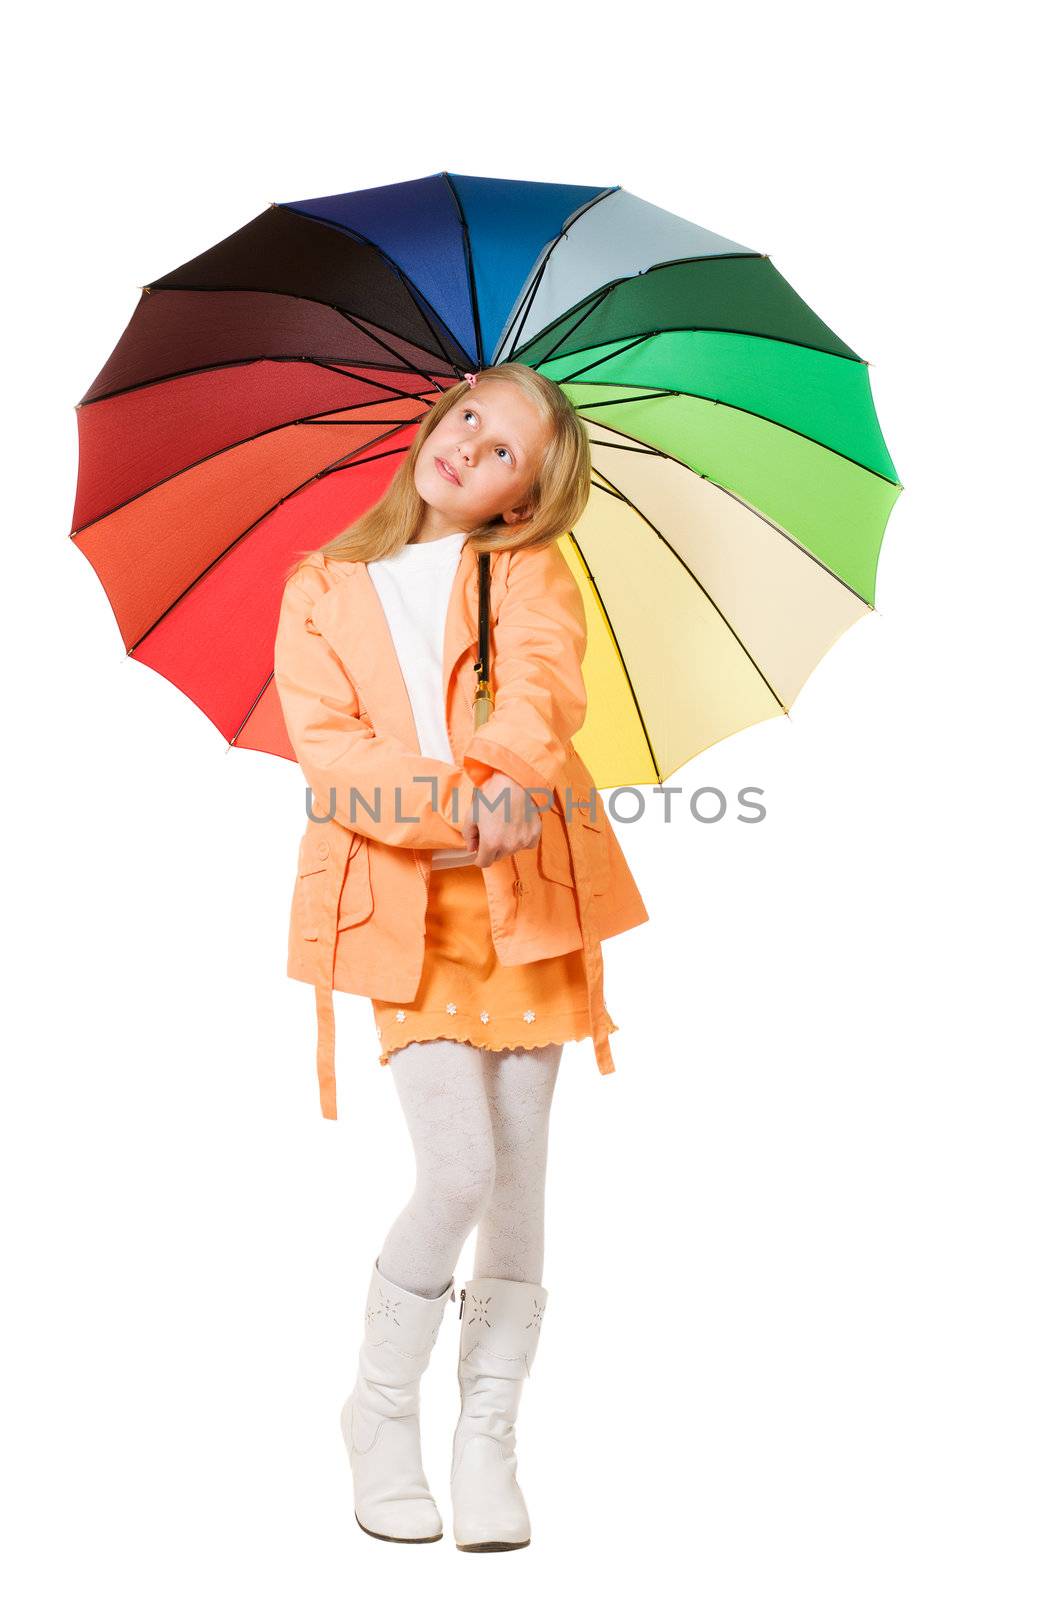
(326, 363)
(596, 296)
(639, 513)
(411, 288)
(592, 305)
(771, 422)
(529, 295)
(311, 420)
(247, 714)
(389, 389)
(469, 270)
(406, 365)
(653, 333)
(610, 355)
(523, 309)
(314, 300)
(638, 448)
(341, 463)
(616, 646)
(322, 472)
(738, 333)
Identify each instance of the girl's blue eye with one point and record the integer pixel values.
(472, 414)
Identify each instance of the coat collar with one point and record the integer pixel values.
(352, 620)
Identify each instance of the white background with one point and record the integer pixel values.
(803, 1245)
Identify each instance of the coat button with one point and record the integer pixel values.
(322, 848)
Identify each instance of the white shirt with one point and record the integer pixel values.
(414, 586)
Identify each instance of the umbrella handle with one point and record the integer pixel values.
(483, 701)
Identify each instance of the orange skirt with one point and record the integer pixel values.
(466, 994)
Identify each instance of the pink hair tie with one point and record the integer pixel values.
(470, 378)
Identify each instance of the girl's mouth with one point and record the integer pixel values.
(446, 472)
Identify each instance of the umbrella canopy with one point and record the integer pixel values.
(263, 395)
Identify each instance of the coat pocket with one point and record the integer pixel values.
(317, 855)
(314, 857)
(593, 824)
(553, 859)
(356, 896)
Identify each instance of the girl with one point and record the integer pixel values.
(463, 880)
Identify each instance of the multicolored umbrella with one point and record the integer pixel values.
(263, 394)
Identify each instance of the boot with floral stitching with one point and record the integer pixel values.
(500, 1323)
(380, 1419)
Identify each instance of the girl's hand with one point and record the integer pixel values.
(493, 837)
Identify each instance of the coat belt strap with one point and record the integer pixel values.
(326, 1050)
(592, 949)
(326, 1017)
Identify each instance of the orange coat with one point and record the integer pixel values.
(358, 908)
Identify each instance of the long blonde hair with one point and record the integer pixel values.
(558, 497)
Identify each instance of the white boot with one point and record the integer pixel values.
(500, 1322)
(380, 1419)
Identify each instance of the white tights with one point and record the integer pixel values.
(478, 1119)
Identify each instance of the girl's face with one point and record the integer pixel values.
(493, 442)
